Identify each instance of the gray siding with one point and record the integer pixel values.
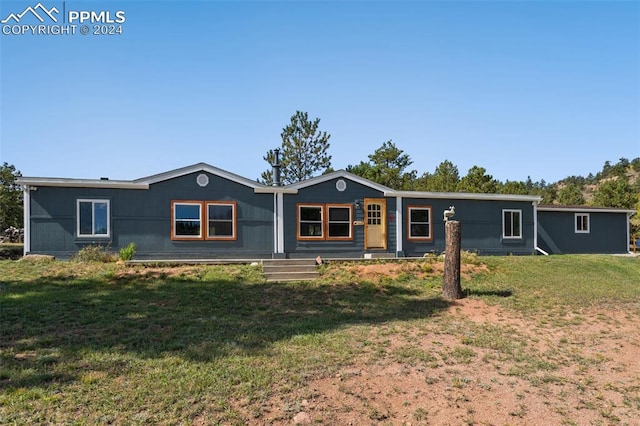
(481, 227)
(607, 234)
(326, 193)
(144, 217)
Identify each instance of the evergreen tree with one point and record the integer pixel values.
(477, 180)
(615, 192)
(10, 198)
(303, 151)
(387, 166)
(570, 195)
(444, 179)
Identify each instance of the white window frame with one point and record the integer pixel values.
(588, 222)
(511, 211)
(174, 236)
(93, 202)
(411, 237)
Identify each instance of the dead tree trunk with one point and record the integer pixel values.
(451, 289)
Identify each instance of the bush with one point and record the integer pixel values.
(126, 253)
(94, 254)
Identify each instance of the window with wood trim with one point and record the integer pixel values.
(511, 224)
(186, 220)
(221, 219)
(325, 222)
(419, 223)
(203, 220)
(582, 223)
(310, 219)
(339, 222)
(93, 218)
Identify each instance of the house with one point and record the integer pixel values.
(203, 212)
(579, 229)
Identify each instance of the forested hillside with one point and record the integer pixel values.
(616, 185)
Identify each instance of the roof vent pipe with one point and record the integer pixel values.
(276, 168)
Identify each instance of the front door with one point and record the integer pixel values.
(375, 223)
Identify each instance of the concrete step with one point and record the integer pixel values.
(379, 255)
(290, 270)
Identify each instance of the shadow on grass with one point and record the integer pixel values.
(61, 318)
(490, 293)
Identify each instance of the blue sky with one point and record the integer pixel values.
(545, 89)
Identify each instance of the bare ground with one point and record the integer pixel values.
(579, 369)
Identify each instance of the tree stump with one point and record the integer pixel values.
(451, 289)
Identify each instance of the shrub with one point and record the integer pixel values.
(126, 253)
(94, 254)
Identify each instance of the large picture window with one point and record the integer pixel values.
(582, 223)
(511, 224)
(324, 222)
(419, 226)
(198, 220)
(94, 218)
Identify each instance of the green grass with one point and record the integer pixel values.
(106, 343)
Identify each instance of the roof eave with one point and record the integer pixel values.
(584, 209)
(79, 183)
(464, 196)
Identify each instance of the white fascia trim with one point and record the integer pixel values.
(200, 167)
(399, 225)
(584, 210)
(464, 196)
(280, 219)
(535, 228)
(340, 174)
(79, 183)
(275, 190)
(26, 203)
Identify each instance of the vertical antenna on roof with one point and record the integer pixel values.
(276, 168)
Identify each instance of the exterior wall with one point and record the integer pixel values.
(607, 233)
(144, 217)
(327, 193)
(481, 227)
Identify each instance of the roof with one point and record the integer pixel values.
(583, 209)
(80, 183)
(464, 196)
(200, 167)
(335, 175)
(143, 183)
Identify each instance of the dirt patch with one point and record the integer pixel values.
(423, 269)
(584, 373)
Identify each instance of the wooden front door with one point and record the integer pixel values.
(375, 223)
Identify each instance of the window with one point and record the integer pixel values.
(187, 222)
(419, 226)
(190, 219)
(221, 217)
(93, 218)
(310, 222)
(511, 224)
(324, 222)
(582, 223)
(339, 222)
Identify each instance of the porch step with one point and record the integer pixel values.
(379, 255)
(279, 270)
